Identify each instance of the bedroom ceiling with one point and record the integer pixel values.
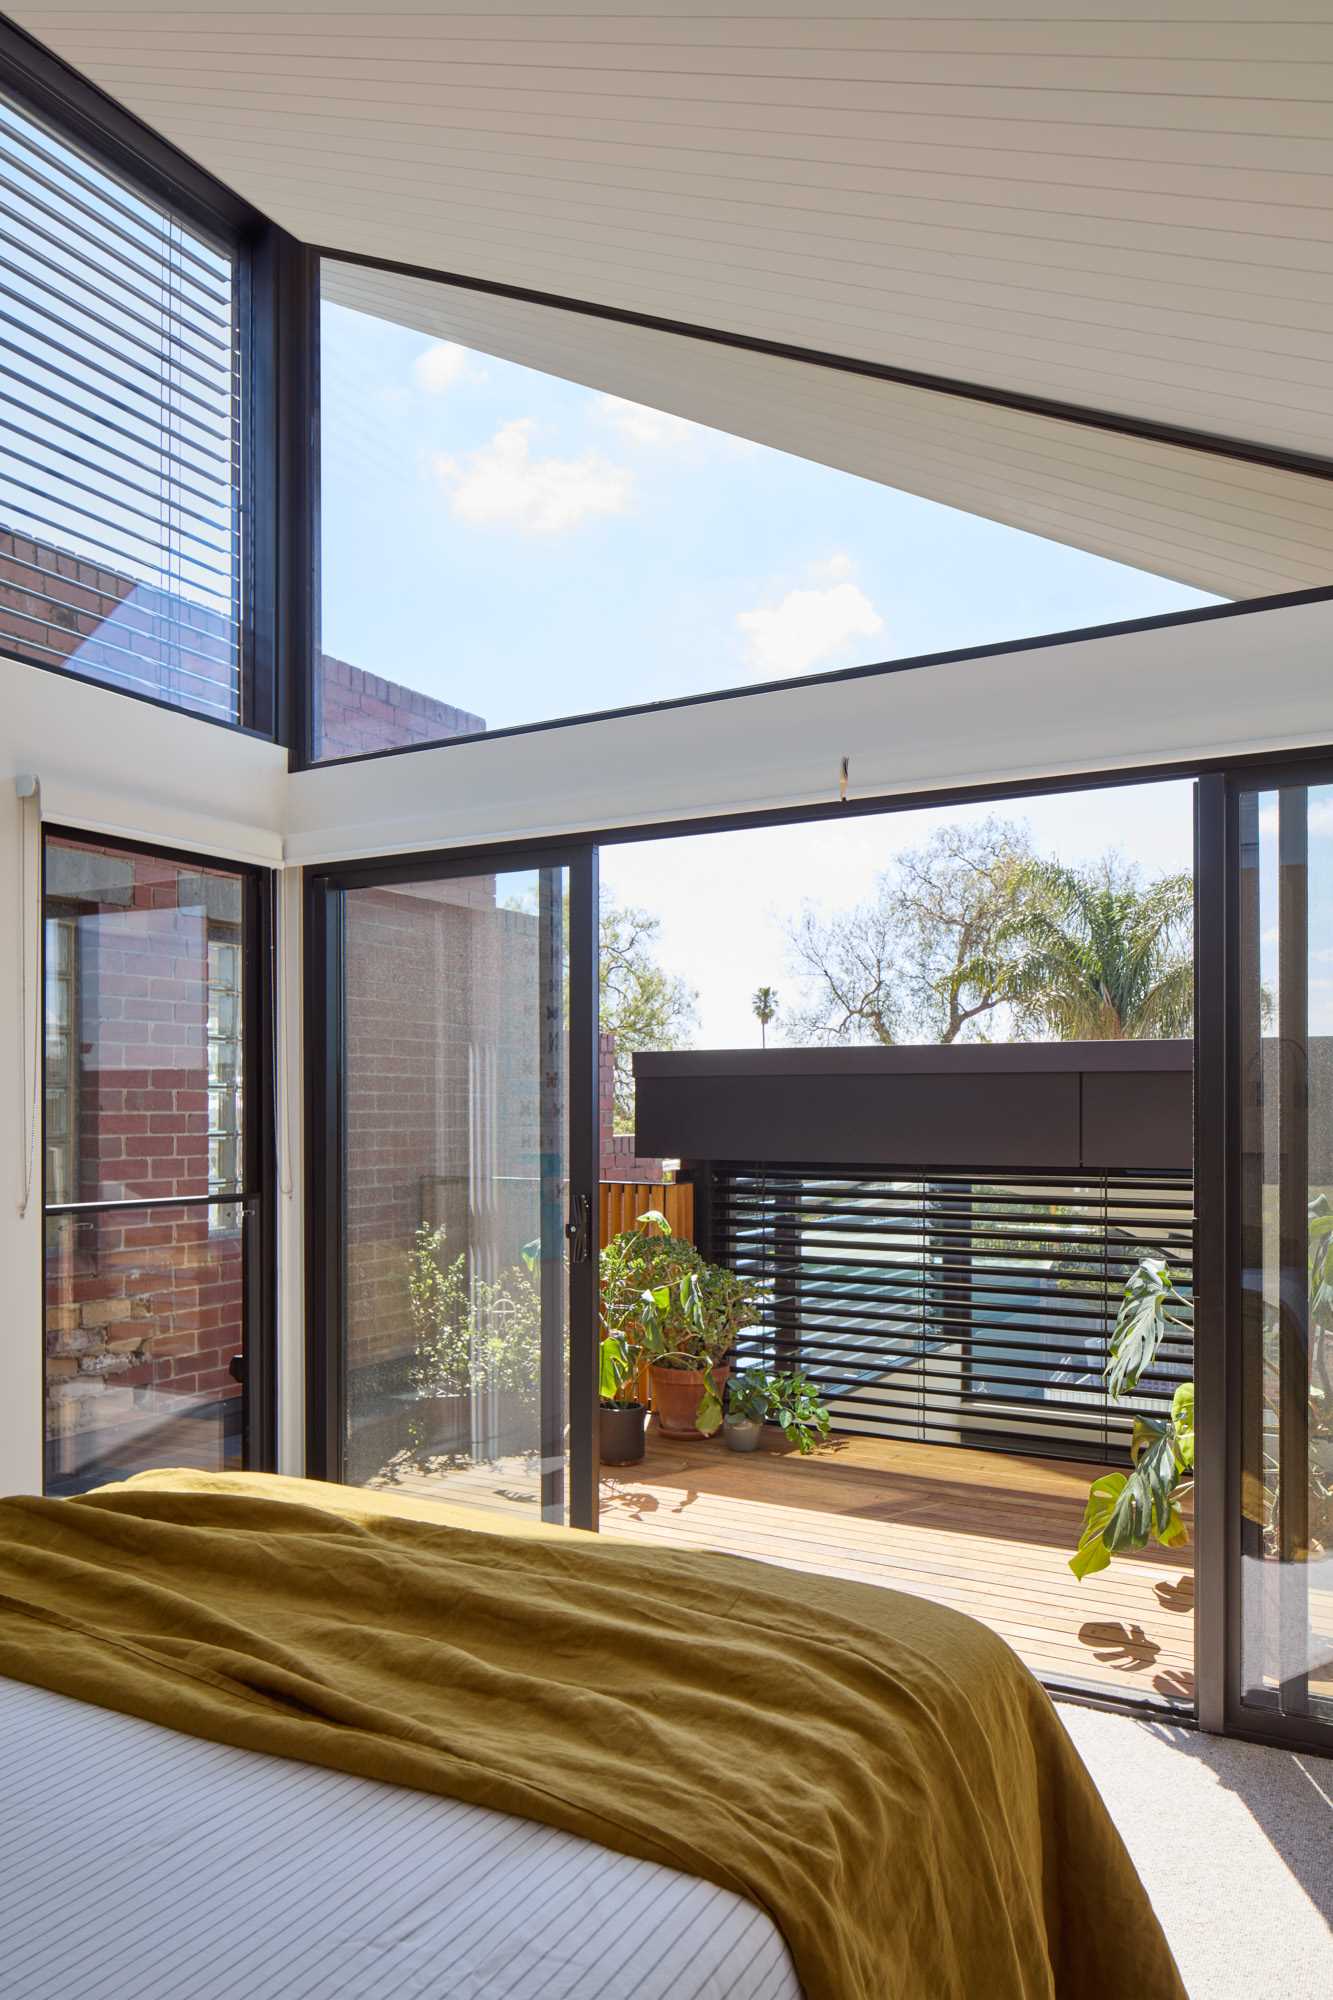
(1130, 215)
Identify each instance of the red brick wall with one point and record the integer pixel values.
(60, 609)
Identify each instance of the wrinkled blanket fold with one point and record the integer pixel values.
(881, 1775)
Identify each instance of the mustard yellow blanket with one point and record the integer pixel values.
(880, 1775)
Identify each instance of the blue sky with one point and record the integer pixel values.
(540, 549)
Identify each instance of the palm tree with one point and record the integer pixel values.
(1097, 958)
(765, 1004)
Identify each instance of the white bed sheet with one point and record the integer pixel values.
(139, 1864)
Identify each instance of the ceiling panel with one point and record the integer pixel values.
(1050, 199)
(1219, 524)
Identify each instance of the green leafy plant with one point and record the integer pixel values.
(640, 1272)
(791, 1401)
(470, 1335)
(663, 1304)
(747, 1396)
(1127, 1510)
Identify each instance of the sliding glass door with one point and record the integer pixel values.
(455, 1180)
(1285, 1193)
(1265, 1339)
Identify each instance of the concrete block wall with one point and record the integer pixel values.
(619, 1161)
(360, 711)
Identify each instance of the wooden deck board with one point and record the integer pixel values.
(986, 1533)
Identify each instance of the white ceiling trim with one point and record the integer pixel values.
(1183, 691)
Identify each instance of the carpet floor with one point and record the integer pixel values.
(1235, 1845)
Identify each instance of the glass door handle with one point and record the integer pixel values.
(578, 1229)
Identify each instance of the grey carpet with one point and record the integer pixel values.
(1235, 1845)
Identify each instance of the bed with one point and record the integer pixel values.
(262, 1738)
(140, 1864)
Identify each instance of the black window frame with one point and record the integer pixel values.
(256, 1197)
(274, 294)
(324, 1029)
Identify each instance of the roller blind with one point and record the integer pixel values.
(120, 431)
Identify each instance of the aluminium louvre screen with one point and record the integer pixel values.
(951, 1309)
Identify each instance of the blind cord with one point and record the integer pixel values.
(30, 1051)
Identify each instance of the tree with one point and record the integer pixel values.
(907, 965)
(642, 1005)
(765, 1004)
(1095, 955)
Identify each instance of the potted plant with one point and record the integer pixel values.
(621, 1415)
(640, 1270)
(799, 1411)
(747, 1407)
(790, 1401)
(689, 1342)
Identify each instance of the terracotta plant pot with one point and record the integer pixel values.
(621, 1432)
(676, 1394)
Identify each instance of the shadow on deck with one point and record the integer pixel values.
(986, 1533)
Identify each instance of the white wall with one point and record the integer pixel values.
(1219, 687)
(291, 1182)
(115, 766)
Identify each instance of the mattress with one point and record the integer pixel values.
(139, 1864)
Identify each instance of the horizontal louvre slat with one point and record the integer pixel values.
(201, 306)
(124, 305)
(120, 440)
(151, 231)
(948, 1307)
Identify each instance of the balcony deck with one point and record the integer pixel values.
(988, 1533)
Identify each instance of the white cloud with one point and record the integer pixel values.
(501, 484)
(440, 365)
(807, 628)
(638, 424)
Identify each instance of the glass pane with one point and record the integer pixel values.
(143, 1025)
(502, 545)
(456, 1189)
(120, 552)
(145, 1310)
(1286, 923)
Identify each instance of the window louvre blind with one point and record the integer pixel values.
(120, 442)
(951, 1310)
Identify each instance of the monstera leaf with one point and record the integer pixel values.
(1127, 1510)
(1182, 1416)
(1141, 1323)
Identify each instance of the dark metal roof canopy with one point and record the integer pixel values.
(1066, 1106)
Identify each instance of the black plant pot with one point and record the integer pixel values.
(622, 1433)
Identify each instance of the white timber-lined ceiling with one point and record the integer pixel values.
(1058, 199)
